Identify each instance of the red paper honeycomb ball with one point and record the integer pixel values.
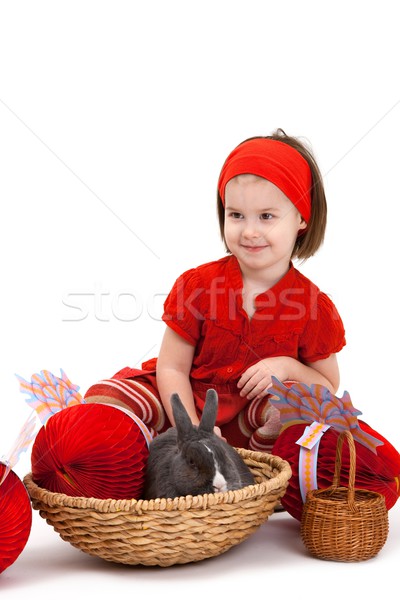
(375, 472)
(90, 450)
(15, 518)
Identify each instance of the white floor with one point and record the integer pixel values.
(271, 563)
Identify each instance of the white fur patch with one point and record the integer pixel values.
(219, 481)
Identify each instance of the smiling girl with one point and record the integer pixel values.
(233, 323)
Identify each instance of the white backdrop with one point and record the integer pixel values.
(115, 118)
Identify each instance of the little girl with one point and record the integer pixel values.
(233, 323)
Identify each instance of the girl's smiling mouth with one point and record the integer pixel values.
(254, 248)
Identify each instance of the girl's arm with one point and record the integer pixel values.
(255, 381)
(173, 368)
(325, 372)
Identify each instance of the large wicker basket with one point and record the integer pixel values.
(166, 531)
(344, 523)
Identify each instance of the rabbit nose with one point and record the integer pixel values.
(219, 482)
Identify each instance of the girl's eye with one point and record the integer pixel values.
(235, 215)
(266, 216)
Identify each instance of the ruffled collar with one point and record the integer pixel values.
(284, 283)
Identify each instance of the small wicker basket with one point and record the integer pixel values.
(164, 531)
(344, 524)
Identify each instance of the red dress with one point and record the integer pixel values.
(293, 318)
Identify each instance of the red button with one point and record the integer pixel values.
(229, 369)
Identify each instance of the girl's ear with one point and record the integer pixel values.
(303, 225)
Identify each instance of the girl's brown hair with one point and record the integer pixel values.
(308, 242)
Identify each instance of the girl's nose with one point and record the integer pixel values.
(251, 229)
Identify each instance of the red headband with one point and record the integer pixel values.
(276, 161)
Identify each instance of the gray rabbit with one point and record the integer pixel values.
(191, 460)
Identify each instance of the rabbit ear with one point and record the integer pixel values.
(183, 423)
(209, 415)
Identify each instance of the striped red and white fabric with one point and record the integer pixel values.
(136, 395)
(256, 427)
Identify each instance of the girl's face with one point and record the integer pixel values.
(261, 224)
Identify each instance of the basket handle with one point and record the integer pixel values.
(338, 466)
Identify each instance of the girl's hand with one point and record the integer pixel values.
(256, 380)
(218, 432)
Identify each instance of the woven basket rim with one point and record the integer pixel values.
(181, 503)
(322, 495)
